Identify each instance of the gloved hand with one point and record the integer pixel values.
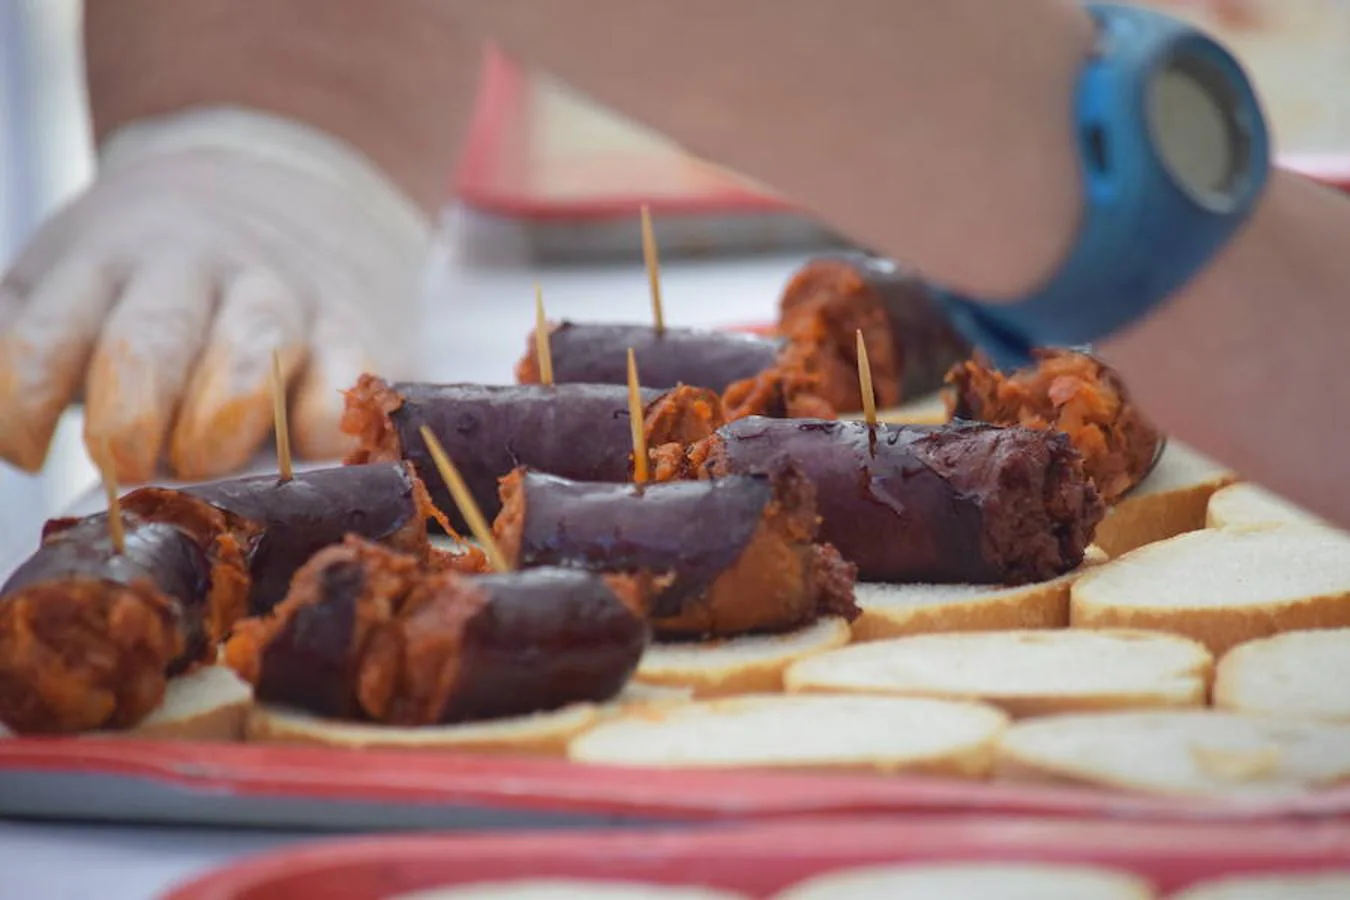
(208, 239)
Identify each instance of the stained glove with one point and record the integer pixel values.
(208, 239)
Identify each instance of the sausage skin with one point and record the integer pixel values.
(89, 636)
(576, 430)
(738, 553)
(370, 634)
(384, 502)
(961, 503)
(590, 353)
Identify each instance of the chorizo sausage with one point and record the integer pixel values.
(575, 430)
(739, 551)
(370, 634)
(956, 503)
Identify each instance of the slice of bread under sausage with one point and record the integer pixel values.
(741, 665)
(207, 704)
(896, 610)
(1170, 501)
(803, 732)
(568, 889)
(1026, 673)
(538, 734)
(1179, 752)
(974, 880)
(1305, 674)
(1246, 505)
(1333, 885)
(1222, 586)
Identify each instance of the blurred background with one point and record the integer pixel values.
(549, 179)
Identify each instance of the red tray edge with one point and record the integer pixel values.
(773, 855)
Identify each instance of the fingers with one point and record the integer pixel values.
(336, 359)
(43, 352)
(227, 412)
(141, 365)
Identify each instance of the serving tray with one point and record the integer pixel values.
(342, 789)
(759, 860)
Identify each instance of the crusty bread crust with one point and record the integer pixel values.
(753, 664)
(1218, 627)
(890, 610)
(210, 703)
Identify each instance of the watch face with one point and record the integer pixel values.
(1193, 116)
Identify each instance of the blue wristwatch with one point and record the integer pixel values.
(1174, 153)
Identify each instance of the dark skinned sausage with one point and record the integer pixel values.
(372, 635)
(739, 552)
(598, 354)
(385, 502)
(575, 430)
(957, 503)
(89, 636)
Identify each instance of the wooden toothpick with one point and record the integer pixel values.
(635, 421)
(283, 429)
(653, 261)
(869, 400)
(464, 500)
(108, 472)
(541, 342)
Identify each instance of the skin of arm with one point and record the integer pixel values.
(396, 80)
(941, 134)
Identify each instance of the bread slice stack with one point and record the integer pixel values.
(803, 732)
(974, 880)
(1026, 673)
(1223, 586)
(1179, 752)
(1172, 500)
(1304, 674)
(1247, 505)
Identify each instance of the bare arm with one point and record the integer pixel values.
(940, 133)
(395, 79)
(924, 128)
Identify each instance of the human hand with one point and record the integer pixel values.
(208, 240)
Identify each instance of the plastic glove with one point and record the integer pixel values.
(207, 240)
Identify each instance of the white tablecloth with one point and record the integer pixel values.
(477, 316)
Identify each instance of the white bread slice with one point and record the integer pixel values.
(1170, 501)
(1244, 505)
(896, 610)
(803, 732)
(1328, 885)
(1222, 586)
(1179, 752)
(1025, 673)
(741, 665)
(1300, 673)
(207, 704)
(973, 880)
(540, 734)
(569, 889)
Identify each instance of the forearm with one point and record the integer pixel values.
(1246, 362)
(396, 80)
(941, 132)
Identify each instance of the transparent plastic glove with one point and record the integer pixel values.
(207, 240)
